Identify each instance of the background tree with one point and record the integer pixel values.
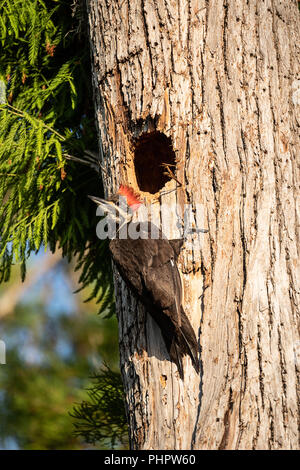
(208, 88)
(46, 118)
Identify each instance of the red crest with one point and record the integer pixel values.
(132, 199)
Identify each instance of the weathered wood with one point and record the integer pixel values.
(220, 79)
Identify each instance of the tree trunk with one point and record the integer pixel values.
(217, 81)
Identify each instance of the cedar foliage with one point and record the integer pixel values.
(46, 116)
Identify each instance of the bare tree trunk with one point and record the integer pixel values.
(219, 78)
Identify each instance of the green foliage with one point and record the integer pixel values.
(103, 417)
(46, 116)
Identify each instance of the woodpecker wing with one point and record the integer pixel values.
(148, 266)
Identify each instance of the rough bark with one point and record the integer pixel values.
(220, 79)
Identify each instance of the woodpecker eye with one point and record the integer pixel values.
(154, 161)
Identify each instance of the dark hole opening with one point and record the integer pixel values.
(152, 153)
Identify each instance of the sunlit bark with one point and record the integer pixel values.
(220, 79)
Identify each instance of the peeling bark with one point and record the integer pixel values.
(220, 79)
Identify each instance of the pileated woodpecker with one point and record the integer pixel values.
(148, 266)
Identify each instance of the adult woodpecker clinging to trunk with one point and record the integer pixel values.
(148, 266)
